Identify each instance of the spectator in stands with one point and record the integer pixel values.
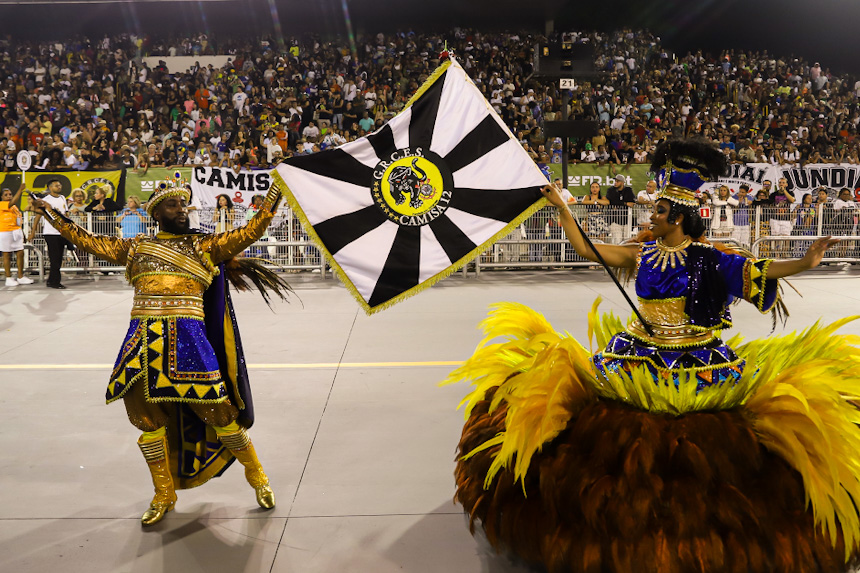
(595, 196)
(805, 223)
(256, 204)
(194, 206)
(845, 221)
(645, 201)
(12, 236)
(312, 132)
(69, 159)
(102, 203)
(555, 230)
(9, 158)
(128, 160)
(847, 207)
(620, 194)
(587, 155)
(535, 230)
(822, 196)
(722, 216)
(741, 215)
(762, 199)
(132, 219)
(596, 225)
(78, 206)
(780, 216)
(224, 214)
(647, 196)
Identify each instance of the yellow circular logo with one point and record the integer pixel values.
(411, 188)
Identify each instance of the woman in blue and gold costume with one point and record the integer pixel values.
(668, 450)
(181, 371)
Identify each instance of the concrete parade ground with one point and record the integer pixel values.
(354, 432)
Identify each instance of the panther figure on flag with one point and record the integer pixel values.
(411, 180)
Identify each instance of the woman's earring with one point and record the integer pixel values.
(677, 222)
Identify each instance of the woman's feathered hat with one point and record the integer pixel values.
(682, 165)
(171, 187)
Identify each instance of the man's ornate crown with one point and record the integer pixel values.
(171, 187)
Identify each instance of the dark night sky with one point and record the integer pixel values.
(822, 30)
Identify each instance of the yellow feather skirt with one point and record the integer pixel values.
(796, 393)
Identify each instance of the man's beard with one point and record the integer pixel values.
(175, 227)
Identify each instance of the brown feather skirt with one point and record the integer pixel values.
(629, 491)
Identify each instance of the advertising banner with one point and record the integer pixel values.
(580, 176)
(810, 177)
(89, 181)
(751, 174)
(209, 182)
(801, 180)
(143, 184)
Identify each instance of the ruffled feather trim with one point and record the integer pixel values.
(796, 390)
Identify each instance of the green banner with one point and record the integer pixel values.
(580, 176)
(143, 184)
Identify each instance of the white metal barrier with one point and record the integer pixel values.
(846, 251)
(769, 231)
(285, 244)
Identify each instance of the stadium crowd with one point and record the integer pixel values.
(84, 104)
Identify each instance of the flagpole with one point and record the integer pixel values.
(565, 99)
(588, 242)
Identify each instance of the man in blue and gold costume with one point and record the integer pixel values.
(181, 372)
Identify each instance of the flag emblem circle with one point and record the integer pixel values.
(412, 187)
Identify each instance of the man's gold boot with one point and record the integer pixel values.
(239, 444)
(154, 448)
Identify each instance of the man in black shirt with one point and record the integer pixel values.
(620, 194)
(620, 197)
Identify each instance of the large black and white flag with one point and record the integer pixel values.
(409, 204)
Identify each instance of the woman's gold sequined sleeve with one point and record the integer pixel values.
(112, 249)
(224, 246)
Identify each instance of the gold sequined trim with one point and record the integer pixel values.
(153, 451)
(678, 194)
(660, 255)
(177, 312)
(664, 312)
(167, 306)
(236, 441)
(166, 299)
(659, 343)
(671, 336)
(755, 282)
(143, 326)
(670, 299)
(172, 353)
(184, 262)
(161, 274)
(650, 361)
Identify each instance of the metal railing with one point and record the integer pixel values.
(847, 251)
(285, 244)
(768, 231)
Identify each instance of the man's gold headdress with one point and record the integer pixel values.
(171, 187)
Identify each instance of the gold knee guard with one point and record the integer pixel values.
(237, 441)
(154, 448)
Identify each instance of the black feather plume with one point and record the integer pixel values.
(241, 269)
(691, 152)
